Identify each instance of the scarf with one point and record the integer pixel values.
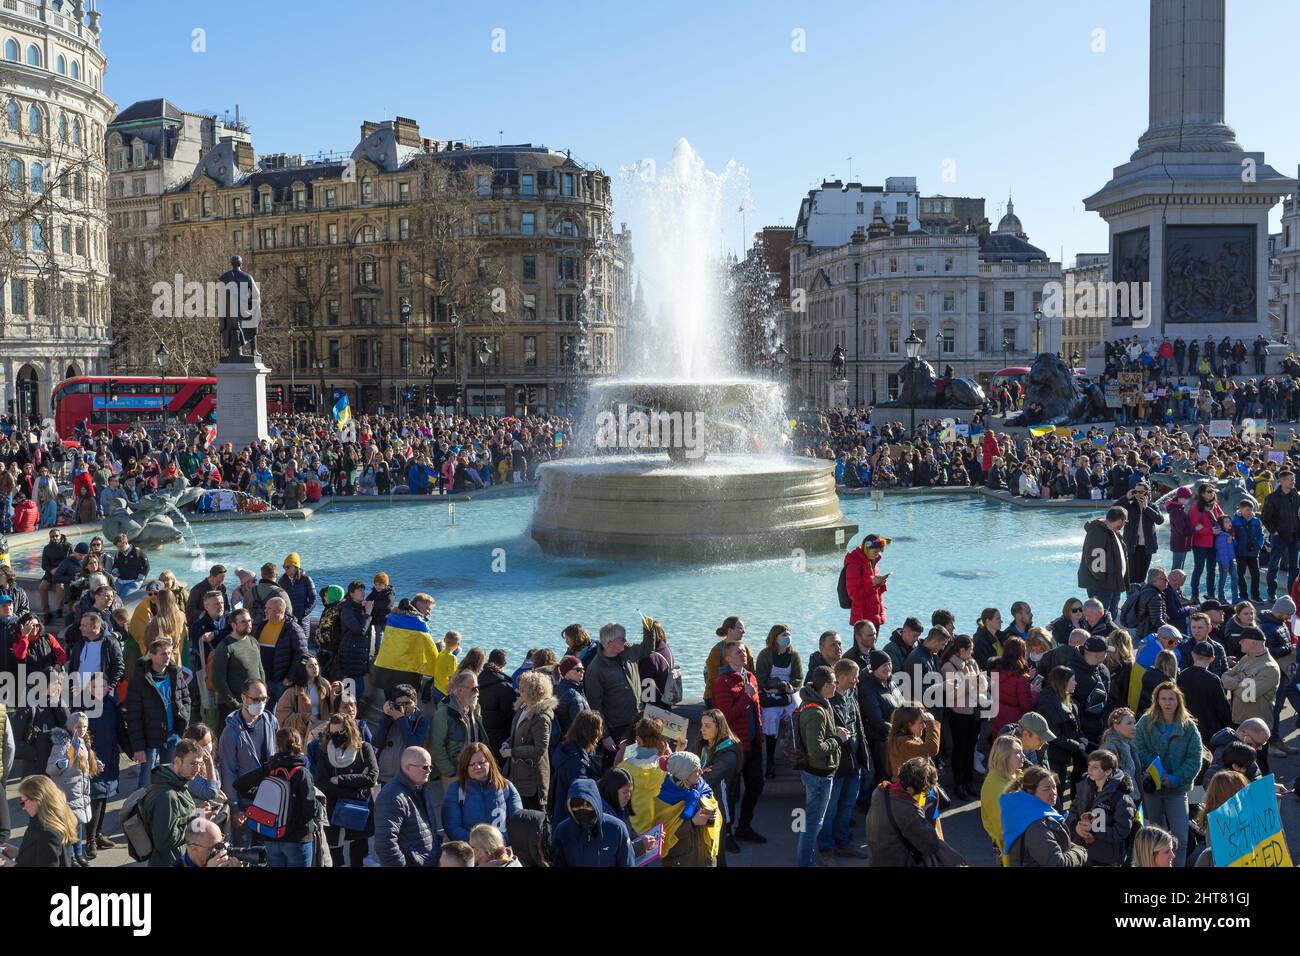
(340, 758)
(671, 792)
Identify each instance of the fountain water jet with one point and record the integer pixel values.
(687, 463)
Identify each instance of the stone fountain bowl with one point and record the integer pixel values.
(730, 507)
(711, 396)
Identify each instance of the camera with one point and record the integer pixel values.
(248, 855)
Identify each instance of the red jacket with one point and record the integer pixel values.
(737, 697)
(868, 598)
(1015, 698)
(1203, 524)
(990, 449)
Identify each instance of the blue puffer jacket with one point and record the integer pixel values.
(604, 843)
(354, 643)
(405, 825)
(480, 803)
(302, 595)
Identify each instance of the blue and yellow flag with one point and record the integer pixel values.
(408, 645)
(1041, 431)
(1156, 770)
(342, 412)
(1246, 830)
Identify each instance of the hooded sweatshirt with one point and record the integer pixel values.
(604, 843)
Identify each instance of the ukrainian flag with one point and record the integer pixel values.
(342, 412)
(408, 645)
(1042, 431)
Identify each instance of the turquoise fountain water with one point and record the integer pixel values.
(494, 585)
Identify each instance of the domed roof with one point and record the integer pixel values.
(1010, 223)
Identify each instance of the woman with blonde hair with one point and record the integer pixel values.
(1154, 847)
(179, 591)
(528, 748)
(52, 830)
(72, 764)
(1005, 762)
(169, 621)
(489, 847)
(1168, 743)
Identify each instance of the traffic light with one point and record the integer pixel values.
(392, 394)
(112, 389)
(428, 395)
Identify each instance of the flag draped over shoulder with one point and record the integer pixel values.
(675, 805)
(408, 645)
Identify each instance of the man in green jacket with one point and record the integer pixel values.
(168, 807)
(820, 741)
(613, 682)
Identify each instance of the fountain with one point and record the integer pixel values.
(685, 464)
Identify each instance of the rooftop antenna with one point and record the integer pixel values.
(850, 169)
(500, 136)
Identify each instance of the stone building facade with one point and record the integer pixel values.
(55, 301)
(345, 235)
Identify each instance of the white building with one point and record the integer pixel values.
(966, 294)
(1284, 305)
(54, 310)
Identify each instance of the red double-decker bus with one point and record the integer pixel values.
(116, 402)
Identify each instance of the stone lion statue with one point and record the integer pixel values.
(918, 387)
(1054, 397)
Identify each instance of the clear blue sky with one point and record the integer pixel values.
(1010, 89)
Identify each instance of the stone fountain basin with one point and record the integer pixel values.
(726, 507)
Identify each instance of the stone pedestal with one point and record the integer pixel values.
(241, 402)
(837, 393)
(1188, 214)
(881, 416)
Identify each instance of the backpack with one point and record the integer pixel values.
(139, 841)
(272, 804)
(1128, 614)
(842, 587)
(796, 752)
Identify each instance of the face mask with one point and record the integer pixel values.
(783, 641)
(257, 708)
(339, 740)
(1036, 656)
(585, 817)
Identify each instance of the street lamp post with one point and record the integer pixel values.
(162, 357)
(1007, 346)
(913, 343)
(319, 365)
(484, 356)
(1038, 322)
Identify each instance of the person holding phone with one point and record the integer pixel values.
(1140, 530)
(865, 584)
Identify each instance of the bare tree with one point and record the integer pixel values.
(460, 255)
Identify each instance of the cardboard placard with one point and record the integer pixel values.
(1220, 428)
(675, 725)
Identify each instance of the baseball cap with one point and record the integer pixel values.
(1037, 724)
(1095, 645)
(6, 599)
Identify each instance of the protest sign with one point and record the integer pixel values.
(675, 725)
(1246, 830)
(1220, 428)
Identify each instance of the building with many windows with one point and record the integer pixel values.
(973, 296)
(1083, 329)
(418, 268)
(54, 304)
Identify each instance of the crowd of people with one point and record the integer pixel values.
(45, 482)
(279, 720)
